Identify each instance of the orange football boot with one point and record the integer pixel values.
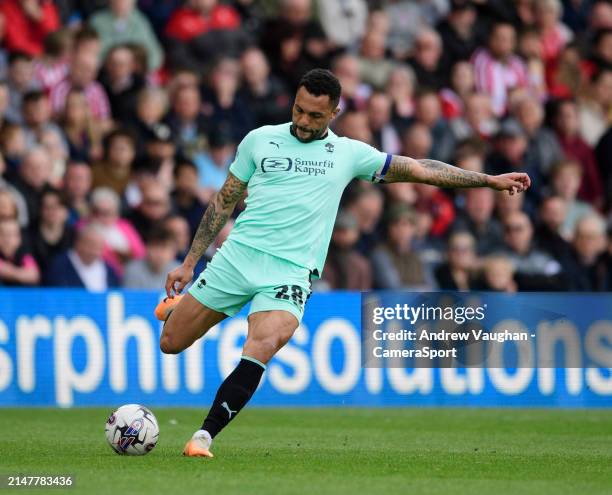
(163, 309)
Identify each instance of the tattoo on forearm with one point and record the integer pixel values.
(215, 216)
(404, 169)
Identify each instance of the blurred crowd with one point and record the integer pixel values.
(119, 119)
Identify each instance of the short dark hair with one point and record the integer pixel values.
(159, 235)
(184, 162)
(34, 96)
(322, 82)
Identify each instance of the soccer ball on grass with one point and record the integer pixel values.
(132, 430)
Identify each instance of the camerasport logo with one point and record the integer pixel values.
(285, 164)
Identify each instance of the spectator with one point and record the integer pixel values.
(553, 33)
(187, 122)
(498, 70)
(384, 134)
(52, 235)
(185, 194)
(223, 104)
(153, 209)
(406, 19)
(82, 132)
(458, 272)
(508, 204)
(121, 241)
(150, 272)
(294, 41)
(52, 67)
(395, 263)
(428, 112)
(20, 81)
(479, 119)
(354, 125)
(343, 21)
(29, 22)
(567, 127)
(264, 93)
(116, 168)
(83, 265)
(548, 235)
(566, 177)
(355, 93)
(427, 60)
(8, 205)
(199, 17)
(375, 69)
(36, 111)
(33, 178)
(436, 204)
(200, 31)
(4, 102)
(151, 107)
(510, 155)
(543, 148)
(478, 220)
(366, 206)
(76, 189)
(214, 165)
(534, 269)
(12, 147)
(123, 23)
(179, 228)
(83, 74)
(595, 107)
(417, 141)
(589, 243)
(498, 274)
(400, 88)
(531, 50)
(345, 268)
(458, 32)
(122, 83)
(17, 266)
(453, 97)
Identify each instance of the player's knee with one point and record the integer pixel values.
(168, 345)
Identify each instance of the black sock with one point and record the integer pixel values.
(233, 394)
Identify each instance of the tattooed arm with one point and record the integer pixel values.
(404, 169)
(215, 216)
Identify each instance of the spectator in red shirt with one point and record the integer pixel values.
(200, 16)
(30, 21)
(566, 124)
(83, 74)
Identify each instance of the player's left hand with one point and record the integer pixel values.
(514, 182)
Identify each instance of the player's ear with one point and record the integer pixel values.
(335, 112)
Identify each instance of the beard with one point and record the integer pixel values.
(313, 134)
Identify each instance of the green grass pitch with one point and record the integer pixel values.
(320, 451)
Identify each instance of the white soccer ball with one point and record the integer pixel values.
(132, 430)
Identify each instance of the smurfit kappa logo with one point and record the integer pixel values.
(276, 164)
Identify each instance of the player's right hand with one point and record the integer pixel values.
(177, 279)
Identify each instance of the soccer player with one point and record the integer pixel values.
(295, 174)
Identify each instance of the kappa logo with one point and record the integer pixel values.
(329, 147)
(276, 164)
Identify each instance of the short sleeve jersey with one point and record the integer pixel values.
(294, 190)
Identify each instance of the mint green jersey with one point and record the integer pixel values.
(294, 190)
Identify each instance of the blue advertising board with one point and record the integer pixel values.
(73, 348)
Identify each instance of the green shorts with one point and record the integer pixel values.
(238, 274)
